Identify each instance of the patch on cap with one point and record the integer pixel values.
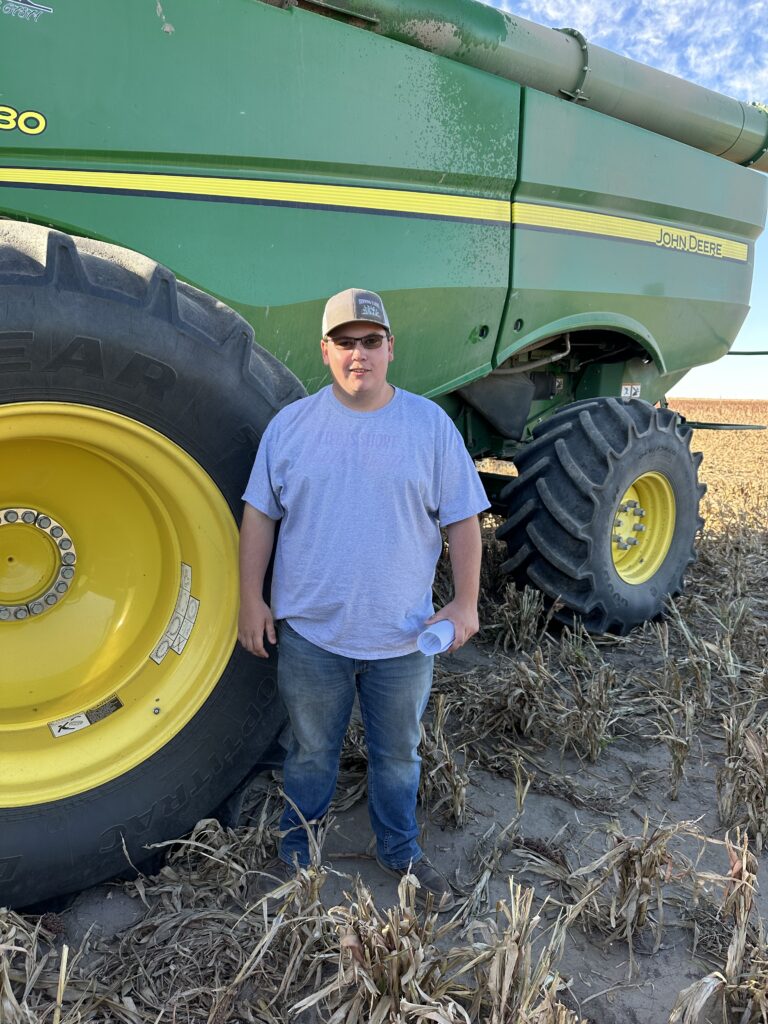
(368, 306)
(354, 304)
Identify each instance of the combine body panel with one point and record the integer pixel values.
(316, 154)
(645, 237)
(265, 197)
(564, 63)
(182, 186)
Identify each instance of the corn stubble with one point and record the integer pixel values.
(740, 985)
(396, 965)
(620, 894)
(205, 953)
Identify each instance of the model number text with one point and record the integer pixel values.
(31, 122)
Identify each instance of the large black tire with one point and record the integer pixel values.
(92, 324)
(565, 503)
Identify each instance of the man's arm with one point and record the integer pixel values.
(257, 536)
(465, 548)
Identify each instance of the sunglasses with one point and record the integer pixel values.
(370, 341)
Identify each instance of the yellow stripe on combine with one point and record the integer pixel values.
(391, 200)
(558, 218)
(435, 204)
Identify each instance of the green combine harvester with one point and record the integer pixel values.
(559, 234)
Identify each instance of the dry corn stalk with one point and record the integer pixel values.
(388, 963)
(520, 619)
(692, 1001)
(492, 709)
(588, 723)
(676, 732)
(391, 967)
(577, 649)
(742, 782)
(486, 859)
(621, 892)
(698, 663)
(639, 867)
(37, 982)
(742, 984)
(443, 784)
(737, 901)
(517, 983)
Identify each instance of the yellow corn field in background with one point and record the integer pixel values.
(735, 466)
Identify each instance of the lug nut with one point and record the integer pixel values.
(639, 512)
(66, 570)
(640, 527)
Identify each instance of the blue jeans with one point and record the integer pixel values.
(318, 689)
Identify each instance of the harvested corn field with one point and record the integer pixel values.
(734, 463)
(600, 804)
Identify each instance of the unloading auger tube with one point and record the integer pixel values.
(562, 63)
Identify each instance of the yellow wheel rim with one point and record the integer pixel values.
(644, 523)
(118, 596)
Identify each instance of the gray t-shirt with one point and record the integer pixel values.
(361, 496)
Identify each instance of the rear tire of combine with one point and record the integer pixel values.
(604, 512)
(131, 406)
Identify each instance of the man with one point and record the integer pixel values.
(362, 475)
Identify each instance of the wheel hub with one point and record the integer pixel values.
(107, 651)
(37, 563)
(644, 522)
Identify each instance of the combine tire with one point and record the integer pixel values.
(604, 512)
(131, 406)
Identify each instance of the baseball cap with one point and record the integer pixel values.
(354, 305)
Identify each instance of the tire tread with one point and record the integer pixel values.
(560, 489)
(34, 255)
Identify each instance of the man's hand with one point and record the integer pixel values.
(465, 550)
(254, 621)
(464, 619)
(257, 535)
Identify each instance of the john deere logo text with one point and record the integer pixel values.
(25, 10)
(689, 243)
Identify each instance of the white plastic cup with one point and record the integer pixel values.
(437, 638)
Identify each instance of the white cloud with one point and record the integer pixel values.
(721, 44)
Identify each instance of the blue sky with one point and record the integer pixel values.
(724, 46)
